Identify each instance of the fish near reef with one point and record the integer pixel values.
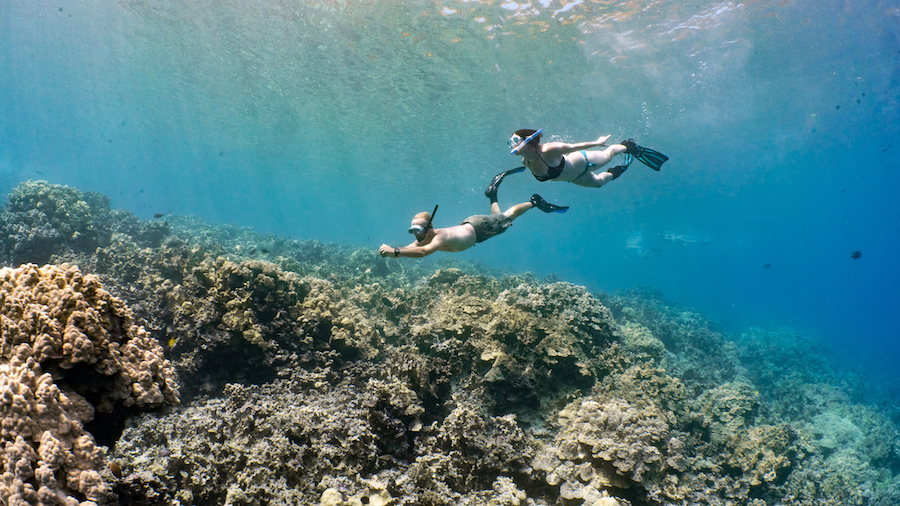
(115, 468)
(158, 215)
(855, 255)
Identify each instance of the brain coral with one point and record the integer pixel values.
(68, 351)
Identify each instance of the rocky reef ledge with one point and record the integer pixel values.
(316, 374)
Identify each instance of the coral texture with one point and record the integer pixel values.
(304, 441)
(603, 445)
(324, 374)
(69, 352)
(41, 219)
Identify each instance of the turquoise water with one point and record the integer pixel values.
(338, 121)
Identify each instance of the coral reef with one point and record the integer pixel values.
(603, 446)
(318, 374)
(41, 219)
(47, 457)
(532, 342)
(70, 356)
(686, 335)
(306, 441)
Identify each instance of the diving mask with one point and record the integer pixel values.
(421, 230)
(516, 142)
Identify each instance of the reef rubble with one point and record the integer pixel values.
(319, 374)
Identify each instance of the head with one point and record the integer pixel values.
(524, 137)
(421, 224)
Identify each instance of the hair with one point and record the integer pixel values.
(422, 216)
(525, 132)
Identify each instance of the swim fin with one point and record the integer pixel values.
(649, 157)
(618, 170)
(491, 191)
(538, 202)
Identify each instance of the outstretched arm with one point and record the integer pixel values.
(562, 148)
(411, 250)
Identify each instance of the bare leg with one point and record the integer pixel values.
(495, 207)
(593, 180)
(517, 210)
(602, 156)
(598, 159)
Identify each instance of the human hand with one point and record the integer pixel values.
(385, 250)
(602, 139)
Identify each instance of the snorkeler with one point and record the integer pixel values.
(474, 229)
(561, 161)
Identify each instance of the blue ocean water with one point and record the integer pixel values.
(338, 121)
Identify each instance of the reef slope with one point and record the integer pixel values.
(322, 374)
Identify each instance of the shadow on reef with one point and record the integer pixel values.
(318, 374)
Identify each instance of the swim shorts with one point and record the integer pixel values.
(488, 225)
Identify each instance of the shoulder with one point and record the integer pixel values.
(555, 147)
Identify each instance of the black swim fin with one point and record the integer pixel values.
(538, 202)
(491, 191)
(618, 170)
(649, 157)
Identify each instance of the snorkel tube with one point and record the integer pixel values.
(522, 143)
(432, 217)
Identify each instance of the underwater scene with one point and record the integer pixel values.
(449, 252)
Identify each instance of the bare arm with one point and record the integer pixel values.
(562, 148)
(411, 250)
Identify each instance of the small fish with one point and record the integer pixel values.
(158, 215)
(171, 342)
(263, 251)
(115, 468)
(766, 266)
(855, 255)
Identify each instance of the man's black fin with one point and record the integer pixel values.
(491, 191)
(538, 202)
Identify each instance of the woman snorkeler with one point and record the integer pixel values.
(561, 161)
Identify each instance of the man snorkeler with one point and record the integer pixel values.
(474, 229)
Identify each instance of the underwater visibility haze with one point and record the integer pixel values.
(337, 121)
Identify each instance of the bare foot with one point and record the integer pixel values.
(602, 140)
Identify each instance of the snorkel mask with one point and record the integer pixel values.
(419, 230)
(516, 142)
